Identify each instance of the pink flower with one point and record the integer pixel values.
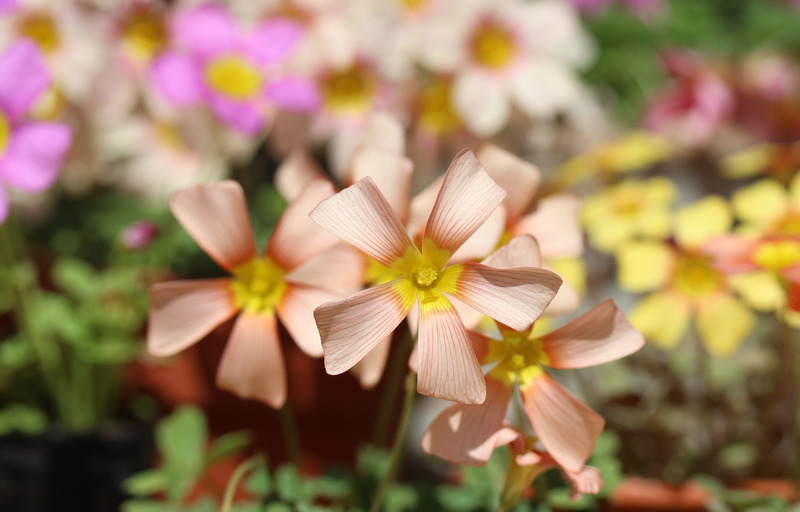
(31, 153)
(233, 71)
(139, 235)
(568, 429)
(351, 327)
(291, 279)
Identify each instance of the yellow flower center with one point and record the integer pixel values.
(518, 357)
(413, 5)
(40, 28)
(788, 224)
(258, 285)
(493, 46)
(777, 255)
(144, 34)
(696, 277)
(425, 276)
(234, 77)
(436, 109)
(627, 201)
(5, 133)
(169, 135)
(347, 90)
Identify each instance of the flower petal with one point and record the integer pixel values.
(567, 428)
(273, 40)
(351, 327)
(252, 364)
(178, 79)
(183, 312)
(467, 197)
(600, 335)
(522, 251)
(483, 104)
(296, 312)
(245, 117)
(4, 206)
(295, 172)
(644, 266)
(390, 172)
(518, 177)
(294, 94)
(586, 481)
(296, 237)
(35, 154)
(662, 318)
(340, 268)
(556, 226)
(448, 368)
(204, 30)
(23, 77)
(732, 253)
(361, 216)
(701, 220)
(370, 369)
(513, 296)
(760, 202)
(215, 215)
(723, 324)
(467, 434)
(761, 290)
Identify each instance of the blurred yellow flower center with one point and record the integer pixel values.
(777, 255)
(493, 45)
(5, 133)
(517, 357)
(788, 224)
(169, 135)
(144, 34)
(436, 109)
(413, 5)
(696, 277)
(234, 77)
(40, 28)
(258, 285)
(627, 201)
(425, 276)
(347, 90)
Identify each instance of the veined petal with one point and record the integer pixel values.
(480, 345)
(351, 327)
(522, 251)
(484, 239)
(467, 197)
(518, 177)
(215, 215)
(600, 335)
(295, 172)
(182, 312)
(567, 428)
(390, 172)
(361, 216)
(723, 324)
(422, 206)
(340, 268)
(467, 434)
(556, 226)
(513, 296)
(296, 312)
(370, 369)
(448, 368)
(297, 238)
(662, 318)
(252, 364)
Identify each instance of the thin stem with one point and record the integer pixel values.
(290, 435)
(794, 432)
(233, 483)
(389, 396)
(399, 443)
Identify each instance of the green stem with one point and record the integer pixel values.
(794, 432)
(399, 443)
(290, 435)
(233, 483)
(389, 396)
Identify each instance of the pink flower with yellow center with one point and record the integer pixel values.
(31, 153)
(568, 429)
(351, 327)
(287, 282)
(233, 71)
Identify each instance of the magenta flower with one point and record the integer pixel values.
(232, 70)
(31, 153)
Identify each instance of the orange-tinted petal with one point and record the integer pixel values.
(370, 369)
(556, 226)
(252, 364)
(522, 251)
(182, 312)
(296, 312)
(600, 335)
(340, 268)
(215, 215)
(390, 172)
(295, 172)
(515, 175)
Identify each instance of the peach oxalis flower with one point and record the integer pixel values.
(351, 327)
(288, 281)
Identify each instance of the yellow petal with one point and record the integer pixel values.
(634, 151)
(761, 201)
(697, 222)
(723, 325)
(761, 290)
(662, 318)
(661, 190)
(644, 266)
(748, 162)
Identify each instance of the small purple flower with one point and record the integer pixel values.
(139, 235)
(231, 70)
(31, 152)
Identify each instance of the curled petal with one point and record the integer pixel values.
(522, 251)
(252, 364)
(586, 481)
(215, 214)
(370, 369)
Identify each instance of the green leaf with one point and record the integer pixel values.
(227, 445)
(181, 438)
(22, 418)
(75, 277)
(259, 482)
(109, 351)
(559, 498)
(146, 506)
(459, 499)
(278, 507)
(607, 444)
(400, 498)
(373, 461)
(738, 455)
(330, 487)
(15, 353)
(289, 483)
(146, 483)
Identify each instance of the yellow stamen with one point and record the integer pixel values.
(40, 28)
(144, 34)
(437, 114)
(425, 276)
(696, 277)
(777, 255)
(234, 77)
(5, 133)
(518, 356)
(258, 285)
(493, 45)
(347, 90)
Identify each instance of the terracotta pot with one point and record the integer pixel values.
(635, 494)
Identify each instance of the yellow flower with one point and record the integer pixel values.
(768, 208)
(780, 161)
